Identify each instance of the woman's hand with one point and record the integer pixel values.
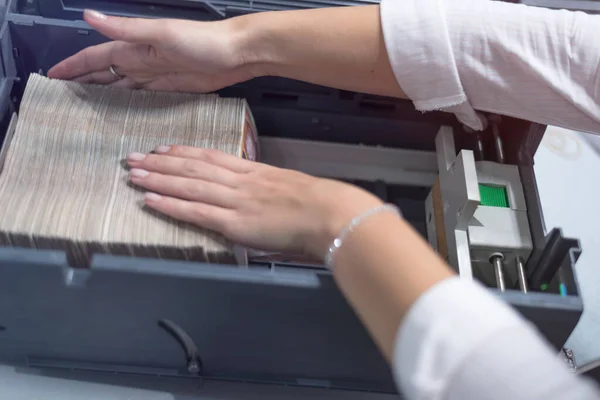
(252, 204)
(165, 55)
(339, 47)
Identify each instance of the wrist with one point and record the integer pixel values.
(336, 213)
(249, 39)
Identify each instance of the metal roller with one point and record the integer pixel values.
(496, 261)
(495, 120)
(521, 277)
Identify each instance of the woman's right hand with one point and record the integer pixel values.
(155, 54)
(252, 204)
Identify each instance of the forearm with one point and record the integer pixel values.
(436, 329)
(382, 269)
(458, 56)
(336, 47)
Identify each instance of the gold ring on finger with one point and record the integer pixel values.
(115, 73)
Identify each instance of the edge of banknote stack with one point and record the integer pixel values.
(63, 184)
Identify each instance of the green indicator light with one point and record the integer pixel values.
(544, 287)
(493, 196)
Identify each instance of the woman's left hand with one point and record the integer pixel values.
(250, 203)
(161, 54)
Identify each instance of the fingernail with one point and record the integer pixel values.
(136, 156)
(163, 149)
(96, 14)
(152, 196)
(139, 173)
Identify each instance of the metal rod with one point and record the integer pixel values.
(498, 143)
(495, 122)
(480, 153)
(478, 142)
(496, 260)
(521, 275)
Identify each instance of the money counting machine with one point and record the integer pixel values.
(472, 195)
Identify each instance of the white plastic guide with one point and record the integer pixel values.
(460, 196)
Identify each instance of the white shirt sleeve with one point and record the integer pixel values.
(527, 62)
(460, 342)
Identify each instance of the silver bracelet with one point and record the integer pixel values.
(339, 240)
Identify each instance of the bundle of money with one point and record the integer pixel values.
(63, 184)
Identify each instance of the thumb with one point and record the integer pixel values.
(133, 30)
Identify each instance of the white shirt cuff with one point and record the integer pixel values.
(440, 331)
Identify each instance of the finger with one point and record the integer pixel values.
(98, 77)
(125, 83)
(91, 59)
(182, 167)
(132, 30)
(204, 215)
(209, 156)
(184, 188)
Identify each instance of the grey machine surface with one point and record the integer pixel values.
(280, 323)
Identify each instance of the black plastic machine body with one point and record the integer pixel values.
(279, 323)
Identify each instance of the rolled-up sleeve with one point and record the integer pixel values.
(464, 56)
(460, 342)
